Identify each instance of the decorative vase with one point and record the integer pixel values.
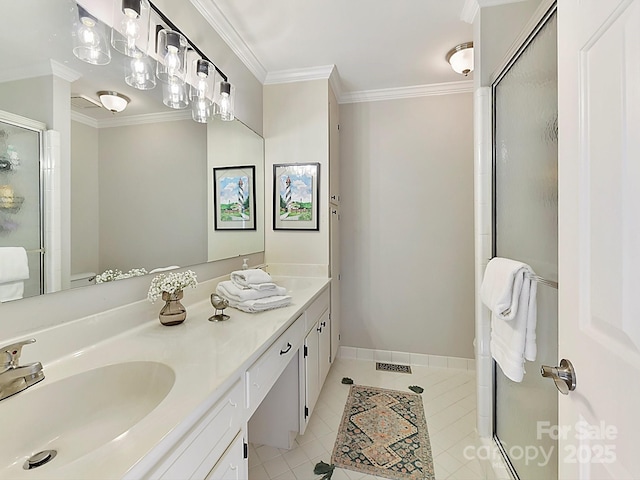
(173, 312)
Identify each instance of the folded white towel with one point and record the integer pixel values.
(11, 291)
(231, 291)
(262, 304)
(13, 264)
(251, 278)
(510, 294)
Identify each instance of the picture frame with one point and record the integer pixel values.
(234, 197)
(295, 196)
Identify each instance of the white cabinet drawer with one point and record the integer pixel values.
(201, 449)
(265, 371)
(232, 466)
(317, 308)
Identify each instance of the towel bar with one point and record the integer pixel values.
(543, 281)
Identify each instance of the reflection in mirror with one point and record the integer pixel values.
(132, 190)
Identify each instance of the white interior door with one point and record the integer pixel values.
(599, 236)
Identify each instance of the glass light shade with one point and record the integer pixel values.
(130, 32)
(224, 99)
(201, 90)
(172, 55)
(461, 58)
(174, 95)
(113, 101)
(89, 37)
(139, 72)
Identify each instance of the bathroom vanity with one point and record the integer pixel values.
(125, 397)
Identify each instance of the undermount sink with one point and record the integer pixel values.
(80, 413)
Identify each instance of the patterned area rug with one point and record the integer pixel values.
(384, 433)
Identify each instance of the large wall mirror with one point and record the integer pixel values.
(130, 190)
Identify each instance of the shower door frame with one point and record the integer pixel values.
(546, 10)
(39, 128)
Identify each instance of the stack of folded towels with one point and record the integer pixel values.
(253, 290)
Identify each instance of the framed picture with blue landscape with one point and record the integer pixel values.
(295, 196)
(234, 197)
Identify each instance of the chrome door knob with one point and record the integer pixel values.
(563, 375)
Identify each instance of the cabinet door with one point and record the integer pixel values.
(334, 150)
(312, 371)
(233, 465)
(334, 265)
(324, 348)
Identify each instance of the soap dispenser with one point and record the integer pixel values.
(244, 264)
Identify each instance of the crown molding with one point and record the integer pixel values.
(84, 119)
(214, 16)
(470, 10)
(60, 70)
(144, 119)
(299, 75)
(126, 121)
(41, 69)
(449, 88)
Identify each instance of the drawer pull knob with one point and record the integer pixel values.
(286, 350)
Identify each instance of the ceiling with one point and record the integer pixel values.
(374, 44)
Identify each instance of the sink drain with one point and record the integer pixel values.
(38, 459)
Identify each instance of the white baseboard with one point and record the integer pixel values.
(418, 359)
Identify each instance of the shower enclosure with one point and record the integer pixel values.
(525, 228)
(21, 222)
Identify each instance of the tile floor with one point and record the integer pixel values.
(450, 407)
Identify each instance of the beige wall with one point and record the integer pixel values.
(407, 225)
(296, 130)
(153, 210)
(84, 199)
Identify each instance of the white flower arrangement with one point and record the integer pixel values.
(171, 283)
(111, 275)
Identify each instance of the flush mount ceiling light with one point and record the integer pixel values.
(113, 101)
(461, 58)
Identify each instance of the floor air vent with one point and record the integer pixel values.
(392, 367)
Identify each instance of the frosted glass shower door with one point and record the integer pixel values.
(526, 229)
(20, 200)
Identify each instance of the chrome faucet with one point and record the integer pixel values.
(14, 377)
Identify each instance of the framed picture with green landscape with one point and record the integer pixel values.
(295, 196)
(234, 197)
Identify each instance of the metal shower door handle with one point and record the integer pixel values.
(564, 376)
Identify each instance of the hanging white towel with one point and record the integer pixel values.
(510, 293)
(11, 291)
(13, 264)
(253, 278)
(14, 268)
(231, 291)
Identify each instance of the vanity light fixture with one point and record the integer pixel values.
(201, 91)
(130, 32)
(172, 51)
(225, 100)
(461, 58)
(171, 62)
(89, 38)
(113, 101)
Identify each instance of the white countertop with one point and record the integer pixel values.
(206, 357)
